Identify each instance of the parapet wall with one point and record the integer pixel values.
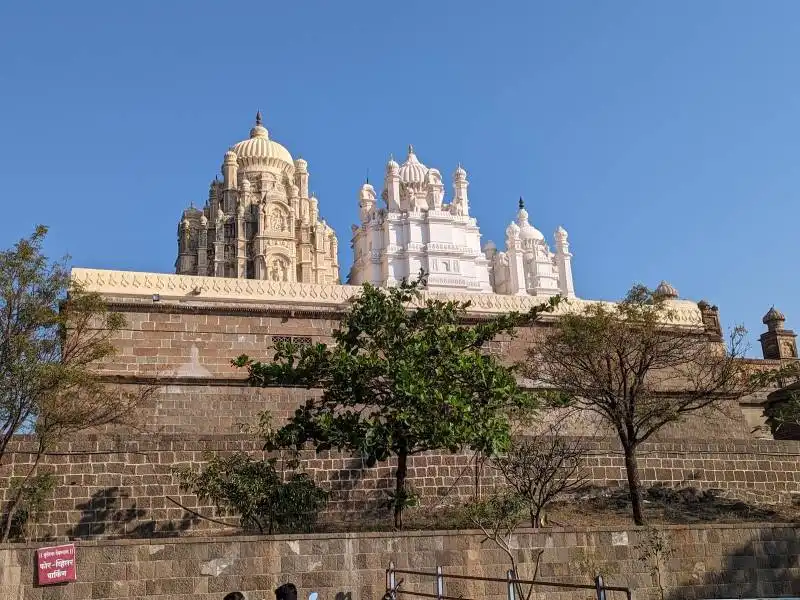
(758, 561)
(113, 487)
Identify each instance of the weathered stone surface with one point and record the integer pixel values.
(141, 501)
(701, 565)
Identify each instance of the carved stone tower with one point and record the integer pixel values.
(259, 221)
(777, 342)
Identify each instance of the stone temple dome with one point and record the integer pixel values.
(773, 315)
(665, 290)
(260, 151)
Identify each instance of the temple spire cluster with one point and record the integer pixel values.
(261, 222)
(417, 228)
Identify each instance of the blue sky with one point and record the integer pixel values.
(662, 136)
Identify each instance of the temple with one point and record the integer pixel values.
(417, 230)
(527, 266)
(259, 222)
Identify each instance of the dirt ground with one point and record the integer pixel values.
(611, 506)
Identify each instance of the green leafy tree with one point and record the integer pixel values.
(783, 413)
(268, 493)
(52, 334)
(405, 375)
(628, 365)
(264, 496)
(33, 491)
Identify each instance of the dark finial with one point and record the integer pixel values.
(521, 203)
(410, 149)
(258, 118)
(367, 175)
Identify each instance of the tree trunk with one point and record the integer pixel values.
(13, 504)
(634, 483)
(479, 460)
(400, 489)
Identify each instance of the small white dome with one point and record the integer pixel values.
(666, 290)
(413, 172)
(433, 176)
(367, 187)
(459, 173)
(526, 230)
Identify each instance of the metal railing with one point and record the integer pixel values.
(512, 584)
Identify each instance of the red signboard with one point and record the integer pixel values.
(56, 564)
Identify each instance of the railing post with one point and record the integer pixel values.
(601, 590)
(390, 577)
(439, 583)
(511, 584)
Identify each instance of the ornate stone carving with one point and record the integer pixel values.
(278, 269)
(189, 287)
(258, 178)
(278, 219)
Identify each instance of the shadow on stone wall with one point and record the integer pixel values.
(346, 487)
(104, 514)
(768, 566)
(685, 505)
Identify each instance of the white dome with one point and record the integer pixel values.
(259, 150)
(666, 290)
(413, 172)
(526, 230)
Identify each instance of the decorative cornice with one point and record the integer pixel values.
(204, 290)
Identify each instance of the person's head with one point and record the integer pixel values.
(235, 596)
(287, 591)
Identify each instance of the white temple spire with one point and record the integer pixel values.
(418, 231)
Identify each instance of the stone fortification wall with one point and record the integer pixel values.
(184, 344)
(188, 406)
(720, 561)
(192, 326)
(111, 487)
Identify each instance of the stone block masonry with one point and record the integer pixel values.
(187, 352)
(110, 487)
(709, 561)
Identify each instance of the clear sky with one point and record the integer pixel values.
(662, 135)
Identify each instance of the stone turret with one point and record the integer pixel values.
(777, 342)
